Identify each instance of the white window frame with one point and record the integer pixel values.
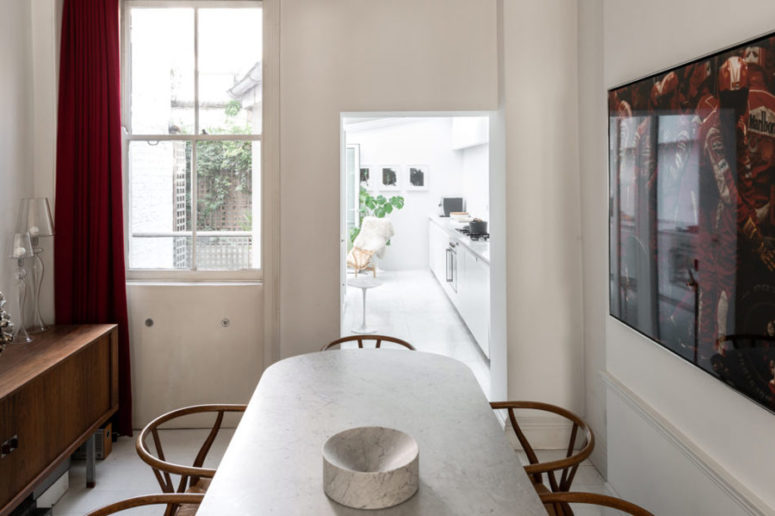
(183, 275)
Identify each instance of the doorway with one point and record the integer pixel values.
(411, 185)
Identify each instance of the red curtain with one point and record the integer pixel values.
(89, 282)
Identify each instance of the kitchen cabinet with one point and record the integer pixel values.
(461, 269)
(469, 131)
(438, 241)
(474, 292)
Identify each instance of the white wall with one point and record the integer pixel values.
(594, 214)
(732, 436)
(16, 179)
(353, 56)
(545, 334)
(187, 357)
(476, 181)
(46, 17)
(421, 141)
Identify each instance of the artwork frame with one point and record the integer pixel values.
(390, 178)
(417, 178)
(366, 177)
(692, 213)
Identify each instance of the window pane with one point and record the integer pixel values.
(160, 205)
(230, 71)
(162, 68)
(228, 221)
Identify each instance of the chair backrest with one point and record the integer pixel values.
(374, 234)
(360, 339)
(567, 466)
(172, 501)
(162, 468)
(557, 503)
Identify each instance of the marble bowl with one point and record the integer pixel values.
(370, 467)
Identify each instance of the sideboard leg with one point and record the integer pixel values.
(91, 457)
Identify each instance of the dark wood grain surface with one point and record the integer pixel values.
(54, 393)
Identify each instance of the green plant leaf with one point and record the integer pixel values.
(388, 208)
(397, 202)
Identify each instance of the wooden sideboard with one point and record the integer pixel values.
(55, 392)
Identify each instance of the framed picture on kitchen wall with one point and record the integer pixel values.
(390, 178)
(367, 177)
(692, 213)
(416, 178)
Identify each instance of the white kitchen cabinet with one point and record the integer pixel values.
(451, 259)
(468, 131)
(438, 241)
(474, 292)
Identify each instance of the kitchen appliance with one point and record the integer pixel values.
(475, 237)
(452, 265)
(477, 227)
(450, 204)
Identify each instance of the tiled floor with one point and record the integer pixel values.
(123, 475)
(412, 306)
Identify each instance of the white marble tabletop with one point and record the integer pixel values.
(274, 465)
(364, 282)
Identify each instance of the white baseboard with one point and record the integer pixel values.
(746, 499)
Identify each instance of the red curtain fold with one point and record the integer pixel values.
(89, 283)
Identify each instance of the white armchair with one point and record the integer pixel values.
(371, 240)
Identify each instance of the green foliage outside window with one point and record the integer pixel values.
(223, 168)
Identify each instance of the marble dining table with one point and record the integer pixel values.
(274, 465)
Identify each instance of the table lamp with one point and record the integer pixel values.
(21, 248)
(35, 219)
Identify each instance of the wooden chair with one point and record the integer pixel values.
(361, 338)
(567, 466)
(557, 503)
(194, 478)
(177, 504)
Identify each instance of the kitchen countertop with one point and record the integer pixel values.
(480, 249)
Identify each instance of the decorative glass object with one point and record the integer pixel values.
(21, 248)
(35, 219)
(6, 326)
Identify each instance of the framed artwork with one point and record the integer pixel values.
(692, 213)
(390, 178)
(417, 177)
(366, 177)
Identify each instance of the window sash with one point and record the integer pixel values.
(190, 274)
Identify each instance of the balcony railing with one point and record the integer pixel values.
(214, 250)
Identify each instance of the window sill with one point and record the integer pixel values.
(188, 283)
(168, 277)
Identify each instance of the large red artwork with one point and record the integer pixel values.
(692, 213)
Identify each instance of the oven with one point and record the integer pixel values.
(452, 265)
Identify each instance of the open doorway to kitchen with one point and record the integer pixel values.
(417, 235)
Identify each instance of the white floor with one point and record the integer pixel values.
(412, 306)
(123, 475)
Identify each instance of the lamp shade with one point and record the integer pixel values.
(35, 217)
(21, 246)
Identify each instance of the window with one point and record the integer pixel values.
(192, 110)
